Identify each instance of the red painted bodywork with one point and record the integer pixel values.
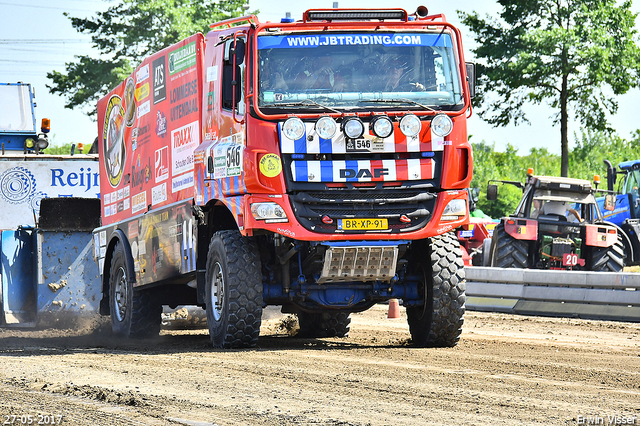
(257, 135)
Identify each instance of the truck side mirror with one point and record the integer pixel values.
(471, 78)
(610, 202)
(475, 194)
(492, 192)
(239, 51)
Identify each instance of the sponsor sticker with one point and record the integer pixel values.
(162, 164)
(142, 92)
(133, 229)
(270, 165)
(144, 109)
(114, 151)
(159, 194)
(130, 105)
(182, 58)
(139, 202)
(181, 182)
(212, 73)
(183, 141)
(142, 74)
(227, 160)
(159, 80)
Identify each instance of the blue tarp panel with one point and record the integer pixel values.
(18, 284)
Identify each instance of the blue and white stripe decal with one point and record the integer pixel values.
(363, 170)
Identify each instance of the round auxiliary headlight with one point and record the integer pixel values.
(441, 125)
(410, 125)
(353, 128)
(382, 127)
(42, 143)
(326, 127)
(293, 128)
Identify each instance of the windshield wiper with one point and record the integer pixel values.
(406, 101)
(306, 102)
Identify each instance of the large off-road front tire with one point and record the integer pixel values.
(134, 313)
(325, 324)
(608, 259)
(438, 322)
(507, 252)
(233, 290)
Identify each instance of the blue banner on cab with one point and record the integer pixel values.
(343, 39)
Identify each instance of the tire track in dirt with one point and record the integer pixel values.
(505, 371)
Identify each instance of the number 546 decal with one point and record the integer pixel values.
(227, 160)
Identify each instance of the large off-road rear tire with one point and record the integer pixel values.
(438, 322)
(608, 259)
(325, 324)
(507, 252)
(134, 313)
(233, 290)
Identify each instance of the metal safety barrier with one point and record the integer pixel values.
(594, 295)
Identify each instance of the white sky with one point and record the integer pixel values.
(35, 38)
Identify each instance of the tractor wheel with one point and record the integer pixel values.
(507, 252)
(608, 259)
(438, 321)
(134, 313)
(324, 324)
(233, 290)
(486, 252)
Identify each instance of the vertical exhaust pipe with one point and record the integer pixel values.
(611, 175)
(422, 12)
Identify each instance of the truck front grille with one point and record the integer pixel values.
(311, 207)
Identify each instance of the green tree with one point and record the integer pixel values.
(570, 53)
(586, 161)
(124, 35)
(66, 149)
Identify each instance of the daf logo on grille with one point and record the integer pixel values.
(363, 173)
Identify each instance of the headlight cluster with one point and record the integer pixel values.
(454, 210)
(269, 212)
(353, 127)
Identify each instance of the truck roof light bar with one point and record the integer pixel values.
(355, 14)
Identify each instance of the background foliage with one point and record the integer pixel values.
(585, 160)
(125, 34)
(573, 55)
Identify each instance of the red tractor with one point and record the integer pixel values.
(475, 237)
(557, 225)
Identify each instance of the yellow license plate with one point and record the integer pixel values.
(362, 224)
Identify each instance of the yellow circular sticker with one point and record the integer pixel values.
(270, 165)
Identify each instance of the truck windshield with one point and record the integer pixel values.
(15, 109)
(359, 70)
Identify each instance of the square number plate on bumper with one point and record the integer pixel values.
(362, 224)
(359, 263)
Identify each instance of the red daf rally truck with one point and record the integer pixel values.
(319, 165)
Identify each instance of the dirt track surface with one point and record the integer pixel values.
(507, 370)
